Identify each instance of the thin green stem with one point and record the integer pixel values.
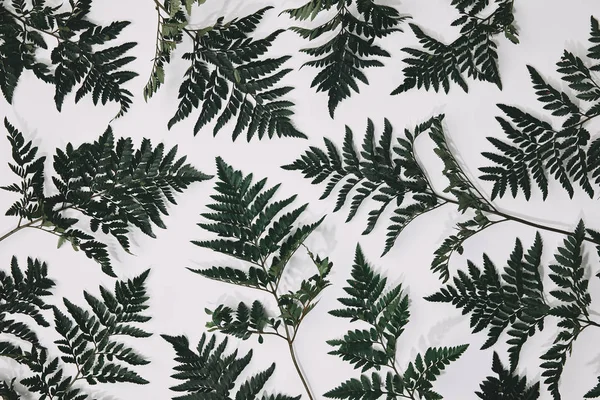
(18, 228)
(521, 220)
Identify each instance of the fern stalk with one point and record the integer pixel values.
(288, 337)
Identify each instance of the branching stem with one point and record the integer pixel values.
(24, 22)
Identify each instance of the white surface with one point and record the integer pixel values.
(179, 297)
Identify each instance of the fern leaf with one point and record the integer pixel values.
(210, 372)
(351, 47)
(386, 173)
(513, 301)
(512, 386)
(473, 53)
(229, 78)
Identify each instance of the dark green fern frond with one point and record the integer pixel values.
(385, 314)
(512, 302)
(22, 293)
(117, 186)
(253, 227)
(473, 53)
(536, 150)
(211, 373)
(229, 79)
(76, 60)
(507, 385)
(354, 29)
(250, 226)
(7, 391)
(420, 374)
(88, 338)
(387, 174)
(30, 170)
(568, 274)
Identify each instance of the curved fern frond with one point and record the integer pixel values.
(229, 79)
(535, 150)
(389, 175)
(352, 47)
(473, 53)
(114, 184)
(75, 60)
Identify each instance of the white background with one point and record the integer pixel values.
(178, 297)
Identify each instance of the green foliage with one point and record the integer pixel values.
(594, 393)
(170, 31)
(514, 301)
(352, 47)
(386, 313)
(568, 275)
(22, 293)
(211, 373)
(8, 392)
(87, 338)
(535, 150)
(82, 55)
(508, 384)
(228, 78)
(114, 184)
(473, 52)
(391, 175)
(251, 227)
(388, 174)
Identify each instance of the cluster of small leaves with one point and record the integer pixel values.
(211, 373)
(229, 79)
(514, 302)
(76, 58)
(251, 228)
(112, 183)
(386, 313)
(467, 196)
(88, 342)
(388, 174)
(352, 47)
(536, 150)
(169, 33)
(22, 293)
(507, 384)
(473, 52)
